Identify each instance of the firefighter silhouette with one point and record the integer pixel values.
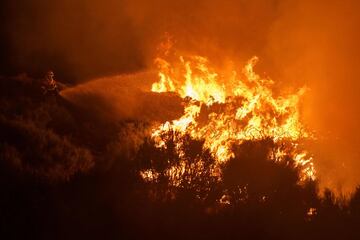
(49, 85)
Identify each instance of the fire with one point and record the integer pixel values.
(225, 108)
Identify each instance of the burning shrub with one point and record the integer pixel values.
(237, 142)
(249, 176)
(168, 173)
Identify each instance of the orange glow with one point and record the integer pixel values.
(223, 108)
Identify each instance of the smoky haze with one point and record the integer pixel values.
(299, 43)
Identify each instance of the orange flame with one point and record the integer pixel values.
(226, 108)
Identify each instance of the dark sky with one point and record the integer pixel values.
(76, 38)
(88, 38)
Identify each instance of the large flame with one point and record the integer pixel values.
(227, 107)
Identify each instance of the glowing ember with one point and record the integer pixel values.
(226, 108)
(311, 213)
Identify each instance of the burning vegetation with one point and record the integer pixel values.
(207, 148)
(198, 143)
(224, 110)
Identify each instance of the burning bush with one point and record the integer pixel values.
(249, 176)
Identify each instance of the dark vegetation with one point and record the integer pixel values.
(65, 173)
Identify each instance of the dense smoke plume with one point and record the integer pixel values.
(298, 42)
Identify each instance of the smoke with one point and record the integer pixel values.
(316, 43)
(80, 40)
(298, 42)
